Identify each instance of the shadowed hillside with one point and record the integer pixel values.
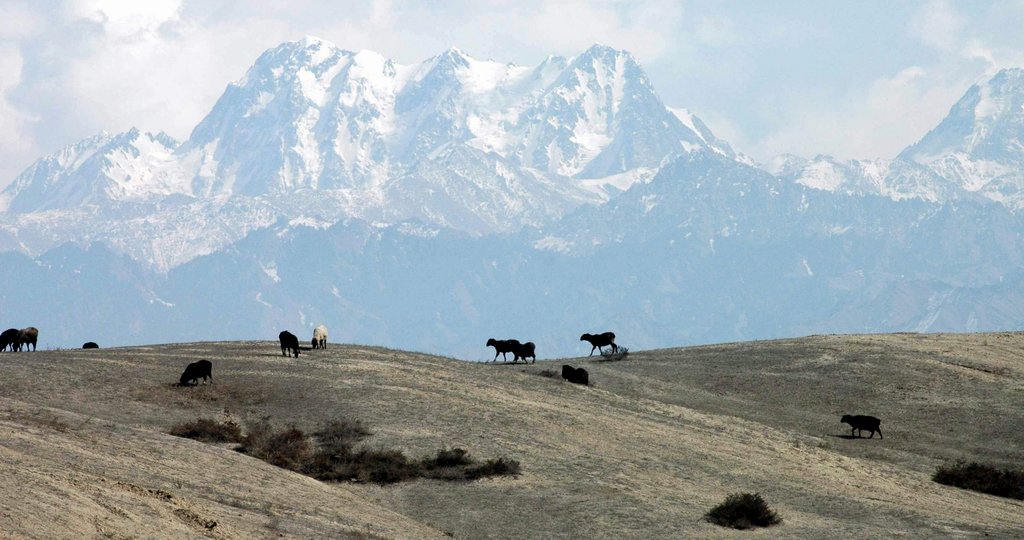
(653, 444)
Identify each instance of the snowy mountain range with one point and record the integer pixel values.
(427, 205)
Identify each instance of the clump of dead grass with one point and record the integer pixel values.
(619, 354)
(743, 511)
(983, 478)
(208, 430)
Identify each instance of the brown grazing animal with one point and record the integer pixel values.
(859, 422)
(600, 340)
(28, 336)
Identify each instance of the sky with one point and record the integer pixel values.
(851, 79)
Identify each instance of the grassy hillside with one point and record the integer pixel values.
(658, 440)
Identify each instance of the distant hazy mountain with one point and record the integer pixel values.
(435, 205)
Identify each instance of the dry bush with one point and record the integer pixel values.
(549, 373)
(983, 478)
(208, 430)
(493, 467)
(620, 354)
(289, 448)
(743, 511)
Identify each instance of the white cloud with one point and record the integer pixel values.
(937, 24)
(12, 120)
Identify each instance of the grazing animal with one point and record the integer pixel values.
(860, 422)
(320, 337)
(90, 345)
(575, 375)
(502, 346)
(9, 338)
(524, 351)
(600, 340)
(195, 370)
(289, 341)
(27, 336)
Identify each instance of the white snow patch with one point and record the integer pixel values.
(553, 243)
(807, 267)
(259, 298)
(271, 271)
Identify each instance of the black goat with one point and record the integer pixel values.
(195, 370)
(289, 341)
(575, 375)
(502, 346)
(524, 351)
(859, 422)
(600, 340)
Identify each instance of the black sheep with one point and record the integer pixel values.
(524, 351)
(860, 422)
(575, 375)
(289, 341)
(195, 370)
(502, 346)
(600, 340)
(90, 345)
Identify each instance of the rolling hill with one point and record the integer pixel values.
(656, 441)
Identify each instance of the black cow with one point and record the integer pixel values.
(524, 351)
(289, 341)
(90, 345)
(597, 341)
(575, 375)
(195, 370)
(859, 422)
(502, 346)
(9, 338)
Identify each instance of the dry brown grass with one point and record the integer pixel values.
(644, 454)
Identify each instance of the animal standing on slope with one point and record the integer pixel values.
(9, 338)
(320, 337)
(90, 345)
(27, 336)
(575, 375)
(502, 346)
(289, 341)
(195, 370)
(525, 350)
(597, 341)
(859, 422)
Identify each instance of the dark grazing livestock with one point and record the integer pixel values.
(502, 346)
(524, 351)
(195, 370)
(9, 338)
(860, 422)
(90, 345)
(289, 341)
(320, 337)
(597, 341)
(575, 375)
(28, 336)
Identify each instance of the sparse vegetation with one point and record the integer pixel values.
(333, 458)
(983, 478)
(609, 356)
(550, 373)
(208, 430)
(743, 511)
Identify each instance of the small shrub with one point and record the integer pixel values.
(609, 356)
(549, 373)
(983, 478)
(288, 449)
(494, 467)
(208, 430)
(340, 434)
(383, 466)
(743, 511)
(448, 458)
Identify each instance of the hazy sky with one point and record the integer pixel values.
(852, 79)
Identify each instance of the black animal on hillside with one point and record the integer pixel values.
(28, 336)
(859, 422)
(575, 375)
(502, 346)
(9, 338)
(90, 345)
(195, 370)
(524, 351)
(597, 341)
(289, 341)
